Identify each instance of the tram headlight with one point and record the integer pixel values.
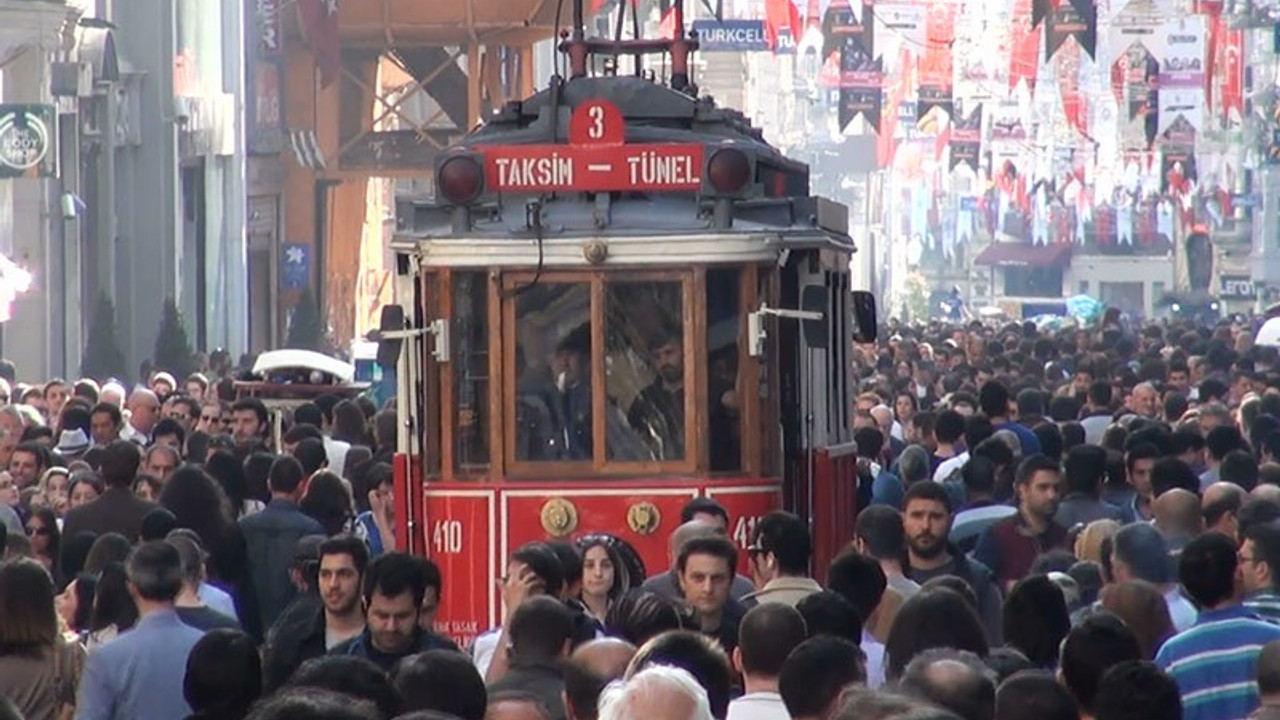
(460, 180)
(729, 171)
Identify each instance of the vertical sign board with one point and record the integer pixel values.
(295, 266)
(459, 535)
(28, 141)
(264, 73)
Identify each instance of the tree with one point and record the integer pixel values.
(306, 330)
(103, 357)
(173, 350)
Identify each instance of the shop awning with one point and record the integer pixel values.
(1005, 253)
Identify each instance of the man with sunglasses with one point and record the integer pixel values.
(779, 561)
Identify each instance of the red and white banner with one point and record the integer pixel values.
(320, 22)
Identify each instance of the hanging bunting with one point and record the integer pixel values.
(899, 26)
(782, 26)
(1073, 101)
(966, 138)
(1077, 19)
(841, 23)
(936, 84)
(1041, 9)
(861, 87)
(895, 93)
(1024, 46)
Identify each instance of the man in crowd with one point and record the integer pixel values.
(779, 560)
(394, 585)
(139, 676)
(1260, 570)
(343, 561)
(926, 518)
(767, 635)
(117, 510)
(1139, 552)
(705, 566)
(144, 412)
(271, 536)
(1010, 546)
(1214, 661)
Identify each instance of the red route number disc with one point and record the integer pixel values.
(599, 123)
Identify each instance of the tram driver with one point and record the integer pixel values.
(657, 413)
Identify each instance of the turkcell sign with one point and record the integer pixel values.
(731, 35)
(665, 167)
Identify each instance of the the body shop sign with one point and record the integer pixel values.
(28, 141)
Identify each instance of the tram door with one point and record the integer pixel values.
(816, 384)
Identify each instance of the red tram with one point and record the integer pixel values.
(620, 298)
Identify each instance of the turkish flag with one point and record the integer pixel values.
(320, 22)
(779, 14)
(667, 28)
(1233, 72)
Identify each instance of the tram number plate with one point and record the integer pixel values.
(446, 536)
(668, 167)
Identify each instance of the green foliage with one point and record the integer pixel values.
(173, 352)
(916, 298)
(307, 330)
(103, 357)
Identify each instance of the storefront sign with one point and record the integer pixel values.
(731, 35)
(1236, 287)
(28, 141)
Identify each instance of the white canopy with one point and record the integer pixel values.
(1269, 334)
(304, 359)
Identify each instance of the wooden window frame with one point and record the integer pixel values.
(599, 465)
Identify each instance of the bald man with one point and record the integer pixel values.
(590, 669)
(1178, 517)
(1270, 493)
(606, 657)
(667, 584)
(144, 412)
(516, 706)
(1220, 506)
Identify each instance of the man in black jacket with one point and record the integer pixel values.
(310, 629)
(541, 634)
(394, 586)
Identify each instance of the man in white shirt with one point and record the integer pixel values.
(767, 635)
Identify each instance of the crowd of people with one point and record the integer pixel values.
(1077, 525)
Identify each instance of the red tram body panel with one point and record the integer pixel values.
(620, 298)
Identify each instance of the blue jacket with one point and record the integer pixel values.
(271, 537)
(138, 676)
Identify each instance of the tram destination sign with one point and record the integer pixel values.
(571, 168)
(28, 141)
(597, 159)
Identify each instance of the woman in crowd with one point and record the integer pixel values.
(53, 493)
(39, 670)
(75, 604)
(84, 488)
(936, 618)
(106, 549)
(1036, 620)
(329, 502)
(229, 472)
(1143, 608)
(46, 540)
(603, 576)
(114, 611)
(147, 487)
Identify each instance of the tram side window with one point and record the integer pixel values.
(644, 362)
(553, 373)
(471, 370)
(724, 417)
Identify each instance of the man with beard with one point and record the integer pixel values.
(394, 587)
(1011, 546)
(343, 560)
(926, 519)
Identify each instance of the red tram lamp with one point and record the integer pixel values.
(460, 179)
(729, 173)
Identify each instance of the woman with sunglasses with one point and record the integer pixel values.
(46, 539)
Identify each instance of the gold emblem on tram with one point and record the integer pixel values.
(643, 518)
(559, 517)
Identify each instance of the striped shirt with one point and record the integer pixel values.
(1214, 663)
(1265, 604)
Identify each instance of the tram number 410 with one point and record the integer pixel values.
(743, 529)
(446, 536)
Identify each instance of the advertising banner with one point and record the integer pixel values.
(28, 141)
(731, 35)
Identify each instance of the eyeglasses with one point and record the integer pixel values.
(210, 418)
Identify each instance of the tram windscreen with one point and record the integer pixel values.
(645, 357)
(553, 373)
